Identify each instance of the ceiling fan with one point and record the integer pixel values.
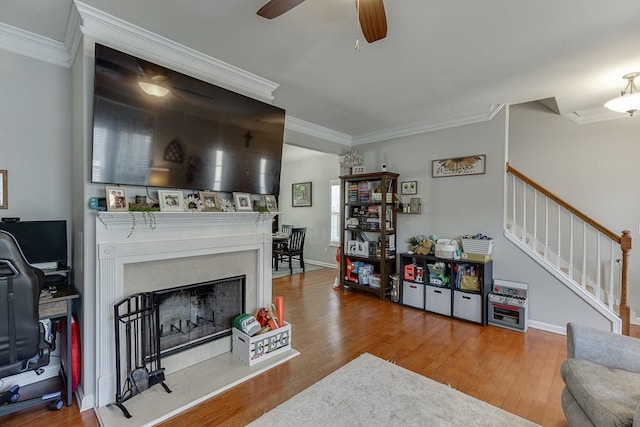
(371, 15)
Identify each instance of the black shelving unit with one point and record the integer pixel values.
(455, 288)
(368, 238)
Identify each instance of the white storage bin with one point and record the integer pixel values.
(467, 306)
(477, 246)
(413, 294)
(446, 248)
(258, 348)
(438, 300)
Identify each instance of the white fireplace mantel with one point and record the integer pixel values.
(162, 236)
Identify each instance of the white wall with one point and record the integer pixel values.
(302, 165)
(594, 167)
(35, 135)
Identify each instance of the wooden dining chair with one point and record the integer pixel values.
(294, 248)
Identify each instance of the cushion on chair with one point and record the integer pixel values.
(608, 396)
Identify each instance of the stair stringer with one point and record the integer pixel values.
(589, 298)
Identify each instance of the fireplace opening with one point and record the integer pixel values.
(198, 313)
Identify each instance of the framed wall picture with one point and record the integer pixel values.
(117, 199)
(409, 187)
(171, 201)
(458, 166)
(301, 194)
(271, 203)
(243, 202)
(414, 205)
(210, 201)
(3, 189)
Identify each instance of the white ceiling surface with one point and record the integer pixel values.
(441, 59)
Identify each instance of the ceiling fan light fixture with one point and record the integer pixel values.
(154, 87)
(629, 100)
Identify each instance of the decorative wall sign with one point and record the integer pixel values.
(468, 165)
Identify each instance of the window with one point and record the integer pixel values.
(335, 212)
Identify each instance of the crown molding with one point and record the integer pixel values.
(427, 126)
(25, 43)
(297, 125)
(73, 35)
(138, 41)
(593, 115)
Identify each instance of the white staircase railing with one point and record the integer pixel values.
(587, 257)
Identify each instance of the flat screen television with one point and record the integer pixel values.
(196, 136)
(42, 242)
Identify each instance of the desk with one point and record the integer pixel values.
(57, 306)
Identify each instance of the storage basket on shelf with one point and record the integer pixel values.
(477, 246)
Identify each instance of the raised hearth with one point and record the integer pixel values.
(181, 249)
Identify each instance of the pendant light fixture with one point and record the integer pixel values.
(629, 99)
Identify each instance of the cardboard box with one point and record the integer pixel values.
(475, 257)
(255, 349)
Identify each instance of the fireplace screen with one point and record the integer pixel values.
(195, 314)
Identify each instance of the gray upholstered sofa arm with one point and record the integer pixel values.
(602, 347)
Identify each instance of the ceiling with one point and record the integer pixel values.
(441, 59)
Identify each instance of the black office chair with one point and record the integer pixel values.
(294, 248)
(22, 343)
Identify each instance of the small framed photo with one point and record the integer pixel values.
(171, 200)
(117, 199)
(414, 205)
(409, 187)
(357, 170)
(210, 201)
(301, 194)
(243, 202)
(3, 189)
(271, 203)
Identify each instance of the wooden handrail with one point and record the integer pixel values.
(624, 240)
(601, 228)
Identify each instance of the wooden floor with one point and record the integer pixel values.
(518, 372)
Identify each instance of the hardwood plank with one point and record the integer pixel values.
(519, 372)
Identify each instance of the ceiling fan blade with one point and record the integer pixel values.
(275, 8)
(373, 20)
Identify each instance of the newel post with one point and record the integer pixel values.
(625, 312)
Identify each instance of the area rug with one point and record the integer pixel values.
(369, 391)
(283, 269)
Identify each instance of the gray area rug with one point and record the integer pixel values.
(283, 269)
(371, 392)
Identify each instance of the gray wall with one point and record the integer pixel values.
(35, 135)
(319, 169)
(592, 166)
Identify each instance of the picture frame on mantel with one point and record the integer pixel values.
(4, 204)
(271, 203)
(210, 201)
(301, 194)
(171, 201)
(117, 199)
(243, 202)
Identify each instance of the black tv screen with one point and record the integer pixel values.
(197, 136)
(41, 241)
